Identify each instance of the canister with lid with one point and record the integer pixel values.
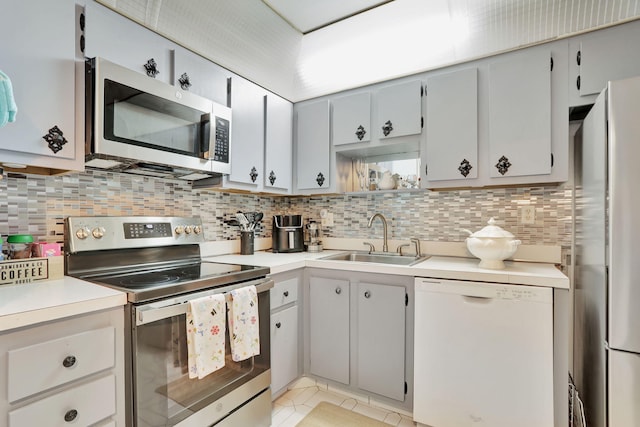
(20, 246)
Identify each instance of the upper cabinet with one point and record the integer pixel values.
(278, 163)
(399, 110)
(200, 76)
(247, 133)
(313, 146)
(599, 57)
(520, 115)
(452, 126)
(41, 64)
(351, 115)
(126, 43)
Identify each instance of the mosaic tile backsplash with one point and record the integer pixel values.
(37, 205)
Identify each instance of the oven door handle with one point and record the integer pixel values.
(166, 308)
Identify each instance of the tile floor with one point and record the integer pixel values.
(306, 393)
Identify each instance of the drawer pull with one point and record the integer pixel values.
(69, 361)
(278, 325)
(70, 415)
(285, 293)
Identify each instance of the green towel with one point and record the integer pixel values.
(8, 108)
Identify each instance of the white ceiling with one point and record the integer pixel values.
(394, 39)
(309, 15)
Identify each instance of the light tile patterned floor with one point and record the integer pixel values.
(306, 393)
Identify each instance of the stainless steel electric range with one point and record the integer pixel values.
(157, 262)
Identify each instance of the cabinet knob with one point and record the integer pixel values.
(360, 133)
(253, 174)
(69, 361)
(285, 293)
(320, 179)
(465, 167)
(367, 294)
(503, 165)
(55, 139)
(185, 82)
(387, 128)
(272, 177)
(338, 291)
(70, 415)
(151, 68)
(278, 325)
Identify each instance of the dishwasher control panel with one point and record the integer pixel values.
(485, 290)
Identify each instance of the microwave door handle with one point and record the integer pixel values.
(205, 135)
(153, 312)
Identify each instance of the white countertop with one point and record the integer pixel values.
(441, 267)
(28, 304)
(31, 303)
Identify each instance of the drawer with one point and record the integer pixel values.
(284, 292)
(45, 365)
(81, 406)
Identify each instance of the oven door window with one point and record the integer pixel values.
(135, 117)
(163, 393)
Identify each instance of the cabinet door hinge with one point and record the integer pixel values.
(421, 122)
(406, 387)
(422, 91)
(551, 65)
(551, 159)
(406, 300)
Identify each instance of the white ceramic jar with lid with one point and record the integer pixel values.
(492, 245)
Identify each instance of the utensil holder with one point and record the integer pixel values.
(246, 242)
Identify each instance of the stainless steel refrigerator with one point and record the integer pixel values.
(607, 267)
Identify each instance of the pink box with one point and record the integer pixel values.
(41, 249)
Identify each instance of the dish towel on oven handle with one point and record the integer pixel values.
(206, 330)
(244, 327)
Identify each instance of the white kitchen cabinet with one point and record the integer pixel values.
(247, 134)
(601, 56)
(381, 339)
(399, 109)
(351, 118)
(520, 115)
(41, 62)
(312, 146)
(120, 40)
(359, 330)
(64, 372)
(278, 163)
(199, 75)
(284, 348)
(452, 127)
(329, 310)
(285, 330)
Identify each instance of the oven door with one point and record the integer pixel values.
(163, 394)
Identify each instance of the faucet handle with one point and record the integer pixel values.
(371, 247)
(416, 242)
(402, 246)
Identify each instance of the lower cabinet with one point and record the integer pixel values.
(69, 371)
(285, 330)
(360, 333)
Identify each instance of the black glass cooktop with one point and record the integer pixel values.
(145, 284)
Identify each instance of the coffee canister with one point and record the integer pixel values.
(20, 246)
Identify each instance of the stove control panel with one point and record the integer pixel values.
(100, 233)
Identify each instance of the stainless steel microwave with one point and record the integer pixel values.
(140, 125)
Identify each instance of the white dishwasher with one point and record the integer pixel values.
(483, 354)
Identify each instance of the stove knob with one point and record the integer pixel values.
(188, 229)
(197, 229)
(179, 230)
(82, 233)
(98, 232)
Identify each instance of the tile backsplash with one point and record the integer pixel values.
(38, 205)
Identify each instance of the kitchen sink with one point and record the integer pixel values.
(386, 258)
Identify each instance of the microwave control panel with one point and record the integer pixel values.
(221, 151)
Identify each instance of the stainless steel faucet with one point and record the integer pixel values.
(385, 246)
